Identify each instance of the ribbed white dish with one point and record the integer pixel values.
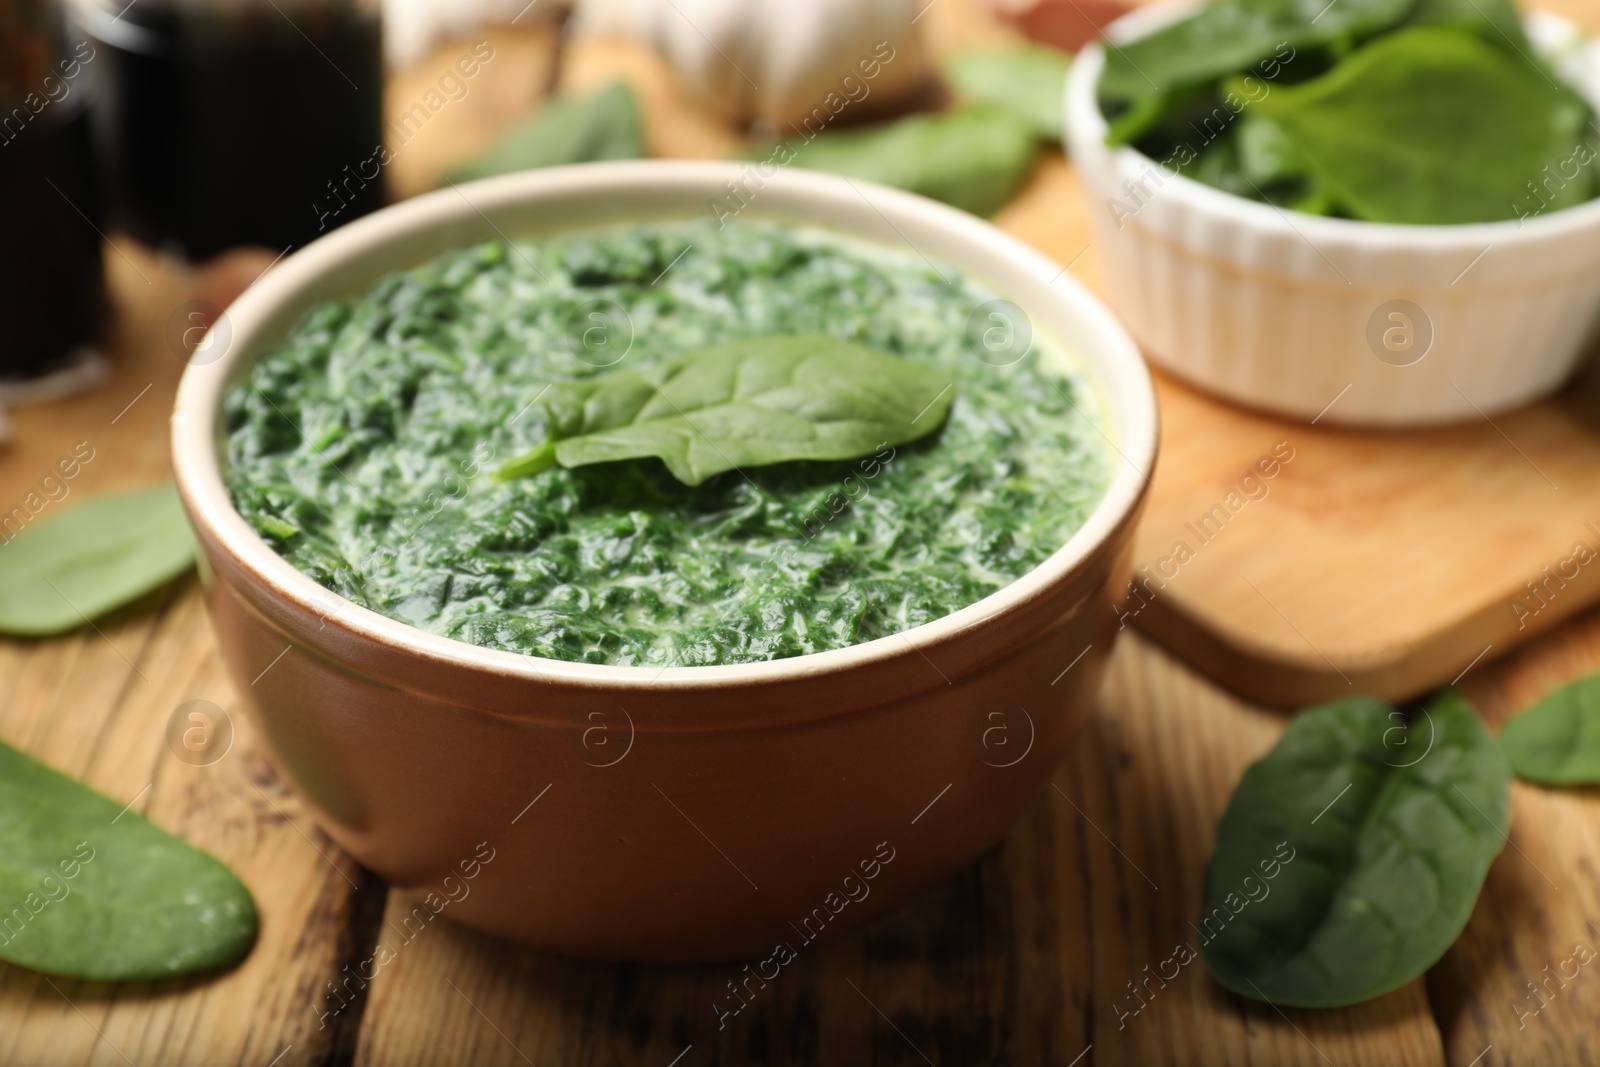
(1274, 309)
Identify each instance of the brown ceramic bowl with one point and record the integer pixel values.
(686, 813)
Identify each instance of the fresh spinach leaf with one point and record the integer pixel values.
(1557, 741)
(1028, 79)
(1143, 79)
(1351, 855)
(1266, 154)
(1496, 21)
(972, 157)
(567, 129)
(1433, 125)
(73, 566)
(1256, 159)
(743, 404)
(91, 890)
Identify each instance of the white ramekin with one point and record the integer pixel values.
(1293, 313)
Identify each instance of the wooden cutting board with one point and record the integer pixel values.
(1386, 563)
(1369, 562)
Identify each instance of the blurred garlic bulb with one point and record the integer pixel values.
(774, 60)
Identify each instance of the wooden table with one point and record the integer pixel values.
(1030, 956)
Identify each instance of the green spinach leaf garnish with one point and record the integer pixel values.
(89, 889)
(743, 404)
(1351, 855)
(68, 568)
(1557, 741)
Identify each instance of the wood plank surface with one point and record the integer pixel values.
(1522, 978)
(1041, 953)
(96, 705)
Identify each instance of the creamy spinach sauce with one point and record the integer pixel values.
(362, 449)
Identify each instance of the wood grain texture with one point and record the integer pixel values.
(96, 705)
(1035, 955)
(1523, 977)
(1379, 563)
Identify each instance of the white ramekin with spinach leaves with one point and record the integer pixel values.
(1335, 319)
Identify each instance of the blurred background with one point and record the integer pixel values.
(184, 146)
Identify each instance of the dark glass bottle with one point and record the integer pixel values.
(231, 122)
(52, 284)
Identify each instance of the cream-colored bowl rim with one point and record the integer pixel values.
(646, 190)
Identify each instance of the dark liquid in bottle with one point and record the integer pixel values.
(52, 289)
(235, 127)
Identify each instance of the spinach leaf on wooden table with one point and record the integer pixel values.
(566, 129)
(73, 566)
(742, 404)
(972, 157)
(1392, 828)
(91, 890)
(1028, 79)
(1557, 741)
(1433, 125)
